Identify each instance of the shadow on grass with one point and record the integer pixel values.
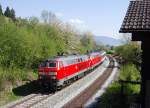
(30, 88)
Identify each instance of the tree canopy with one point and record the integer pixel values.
(10, 13)
(25, 42)
(35, 41)
(130, 52)
(7, 12)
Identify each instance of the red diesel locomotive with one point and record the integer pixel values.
(60, 70)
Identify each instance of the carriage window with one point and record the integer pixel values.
(52, 64)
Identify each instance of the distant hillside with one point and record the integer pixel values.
(107, 40)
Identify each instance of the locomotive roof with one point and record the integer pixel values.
(100, 52)
(62, 58)
(70, 57)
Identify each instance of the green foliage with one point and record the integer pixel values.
(110, 52)
(10, 13)
(44, 16)
(88, 41)
(7, 12)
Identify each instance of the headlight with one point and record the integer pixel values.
(41, 73)
(53, 77)
(52, 73)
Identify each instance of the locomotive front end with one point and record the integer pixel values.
(47, 73)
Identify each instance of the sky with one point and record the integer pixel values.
(101, 17)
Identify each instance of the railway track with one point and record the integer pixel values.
(29, 102)
(53, 100)
(80, 100)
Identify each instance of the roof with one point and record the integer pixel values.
(137, 17)
(69, 57)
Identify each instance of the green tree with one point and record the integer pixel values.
(7, 12)
(1, 11)
(12, 14)
(44, 16)
(130, 52)
(88, 41)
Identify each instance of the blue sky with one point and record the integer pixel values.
(101, 17)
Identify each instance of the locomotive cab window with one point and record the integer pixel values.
(52, 64)
(61, 64)
(43, 64)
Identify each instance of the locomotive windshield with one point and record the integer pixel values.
(52, 64)
(48, 64)
(43, 64)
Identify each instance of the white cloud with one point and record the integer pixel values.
(59, 14)
(79, 24)
(76, 21)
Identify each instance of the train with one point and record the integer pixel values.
(58, 71)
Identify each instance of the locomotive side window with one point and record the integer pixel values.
(78, 60)
(52, 64)
(61, 64)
